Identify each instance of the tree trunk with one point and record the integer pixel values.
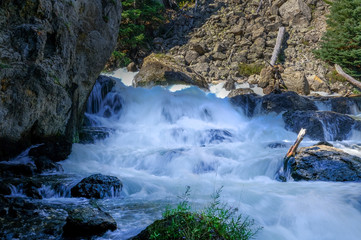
(292, 151)
(277, 49)
(348, 77)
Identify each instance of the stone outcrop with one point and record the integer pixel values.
(51, 53)
(321, 125)
(97, 186)
(159, 69)
(87, 222)
(323, 163)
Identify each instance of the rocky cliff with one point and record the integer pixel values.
(51, 52)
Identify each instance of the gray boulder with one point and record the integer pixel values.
(97, 186)
(296, 12)
(323, 163)
(51, 53)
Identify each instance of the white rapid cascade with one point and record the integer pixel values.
(163, 141)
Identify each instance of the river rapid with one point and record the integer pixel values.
(164, 139)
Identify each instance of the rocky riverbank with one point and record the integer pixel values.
(231, 41)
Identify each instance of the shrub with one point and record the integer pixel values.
(216, 221)
(246, 69)
(341, 44)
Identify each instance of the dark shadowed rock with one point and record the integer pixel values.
(86, 222)
(97, 186)
(320, 125)
(54, 150)
(247, 102)
(16, 170)
(51, 53)
(323, 163)
(4, 189)
(287, 101)
(92, 134)
(44, 164)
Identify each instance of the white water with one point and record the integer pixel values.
(164, 141)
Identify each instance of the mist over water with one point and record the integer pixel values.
(162, 141)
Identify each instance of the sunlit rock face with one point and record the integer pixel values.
(51, 53)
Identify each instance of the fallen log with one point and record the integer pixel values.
(277, 48)
(292, 151)
(347, 77)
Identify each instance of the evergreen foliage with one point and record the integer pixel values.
(139, 19)
(341, 43)
(217, 221)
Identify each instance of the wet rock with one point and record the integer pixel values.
(247, 102)
(97, 186)
(320, 125)
(16, 170)
(31, 189)
(161, 69)
(54, 150)
(287, 101)
(44, 164)
(4, 189)
(92, 134)
(323, 163)
(54, 51)
(86, 222)
(102, 87)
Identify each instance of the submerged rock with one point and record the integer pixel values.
(87, 221)
(323, 163)
(97, 186)
(320, 125)
(51, 53)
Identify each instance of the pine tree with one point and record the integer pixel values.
(341, 43)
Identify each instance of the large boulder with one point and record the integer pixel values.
(51, 53)
(296, 81)
(320, 125)
(87, 222)
(323, 163)
(97, 186)
(160, 69)
(296, 12)
(287, 101)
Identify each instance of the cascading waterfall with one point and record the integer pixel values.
(163, 141)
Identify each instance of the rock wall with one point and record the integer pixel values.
(51, 52)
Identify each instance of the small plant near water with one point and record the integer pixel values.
(216, 221)
(246, 69)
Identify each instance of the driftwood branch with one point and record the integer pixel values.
(348, 77)
(292, 151)
(277, 49)
(259, 6)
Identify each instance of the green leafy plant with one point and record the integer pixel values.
(341, 44)
(216, 221)
(248, 69)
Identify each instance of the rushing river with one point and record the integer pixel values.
(162, 140)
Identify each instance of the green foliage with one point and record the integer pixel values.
(246, 69)
(341, 43)
(217, 221)
(121, 58)
(139, 19)
(333, 77)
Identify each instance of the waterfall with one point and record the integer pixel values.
(165, 140)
